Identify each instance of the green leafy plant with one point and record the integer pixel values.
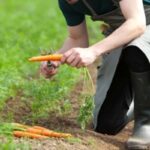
(10, 144)
(85, 112)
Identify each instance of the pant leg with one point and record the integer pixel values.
(136, 59)
(112, 116)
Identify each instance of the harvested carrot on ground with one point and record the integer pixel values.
(36, 131)
(40, 128)
(28, 135)
(48, 133)
(54, 57)
(62, 134)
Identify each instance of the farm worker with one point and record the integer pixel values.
(125, 72)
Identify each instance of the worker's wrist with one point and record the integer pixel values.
(96, 51)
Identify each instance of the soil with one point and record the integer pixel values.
(83, 140)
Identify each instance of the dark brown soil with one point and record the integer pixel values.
(84, 140)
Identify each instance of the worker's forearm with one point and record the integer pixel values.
(70, 43)
(123, 35)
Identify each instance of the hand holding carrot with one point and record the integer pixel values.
(49, 70)
(49, 64)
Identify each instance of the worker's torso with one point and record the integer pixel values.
(100, 6)
(105, 10)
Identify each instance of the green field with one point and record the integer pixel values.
(26, 29)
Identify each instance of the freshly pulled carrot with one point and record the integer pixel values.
(53, 133)
(40, 128)
(36, 131)
(61, 135)
(48, 133)
(54, 57)
(20, 134)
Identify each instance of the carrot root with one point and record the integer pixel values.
(54, 57)
(40, 128)
(20, 134)
(48, 133)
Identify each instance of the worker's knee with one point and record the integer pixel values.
(110, 127)
(136, 59)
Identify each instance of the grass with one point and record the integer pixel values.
(27, 28)
(11, 145)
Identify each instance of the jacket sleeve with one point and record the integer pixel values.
(72, 17)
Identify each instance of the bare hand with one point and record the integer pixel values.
(49, 70)
(79, 57)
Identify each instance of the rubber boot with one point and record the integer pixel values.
(140, 138)
(130, 112)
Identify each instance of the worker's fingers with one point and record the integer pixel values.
(65, 56)
(70, 59)
(47, 71)
(50, 73)
(80, 64)
(75, 62)
(43, 66)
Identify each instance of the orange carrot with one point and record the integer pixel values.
(34, 130)
(48, 133)
(54, 57)
(28, 135)
(40, 128)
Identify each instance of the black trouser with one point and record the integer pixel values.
(136, 59)
(112, 116)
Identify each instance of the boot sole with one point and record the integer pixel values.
(137, 146)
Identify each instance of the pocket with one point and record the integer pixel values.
(113, 18)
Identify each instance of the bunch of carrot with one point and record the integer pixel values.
(36, 132)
